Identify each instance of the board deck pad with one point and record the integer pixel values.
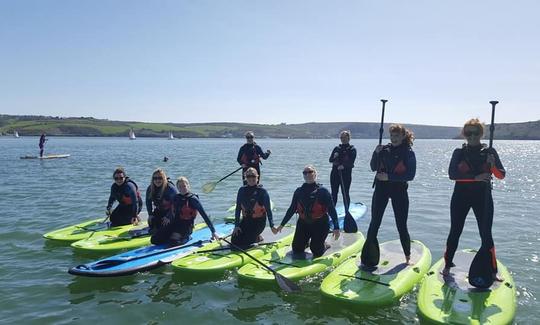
(392, 258)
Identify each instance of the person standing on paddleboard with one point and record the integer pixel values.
(314, 205)
(42, 141)
(159, 199)
(342, 159)
(395, 164)
(177, 226)
(471, 168)
(126, 192)
(253, 203)
(250, 155)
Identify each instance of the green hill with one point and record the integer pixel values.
(88, 126)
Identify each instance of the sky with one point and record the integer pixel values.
(269, 62)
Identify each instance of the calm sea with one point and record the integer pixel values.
(39, 196)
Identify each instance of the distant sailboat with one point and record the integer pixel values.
(16, 134)
(132, 135)
(171, 136)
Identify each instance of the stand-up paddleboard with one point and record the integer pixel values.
(294, 267)
(87, 230)
(388, 282)
(111, 243)
(214, 259)
(146, 258)
(46, 156)
(451, 299)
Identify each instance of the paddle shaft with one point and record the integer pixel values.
(365, 279)
(345, 203)
(224, 177)
(250, 256)
(488, 189)
(381, 131)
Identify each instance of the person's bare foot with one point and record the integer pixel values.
(497, 278)
(408, 259)
(446, 270)
(260, 239)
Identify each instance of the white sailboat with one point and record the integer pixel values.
(132, 135)
(171, 136)
(16, 134)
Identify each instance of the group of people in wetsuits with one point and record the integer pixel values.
(172, 212)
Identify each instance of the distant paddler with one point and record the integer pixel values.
(42, 141)
(250, 155)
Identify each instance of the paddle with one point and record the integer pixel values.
(284, 283)
(349, 225)
(381, 131)
(365, 279)
(481, 269)
(210, 186)
(114, 262)
(97, 226)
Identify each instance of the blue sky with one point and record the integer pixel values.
(259, 61)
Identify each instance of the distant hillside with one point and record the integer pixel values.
(88, 126)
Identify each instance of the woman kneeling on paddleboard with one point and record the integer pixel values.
(313, 203)
(178, 225)
(395, 164)
(471, 167)
(126, 192)
(253, 202)
(159, 199)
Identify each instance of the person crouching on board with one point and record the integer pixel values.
(159, 199)
(471, 167)
(126, 192)
(177, 226)
(314, 205)
(253, 203)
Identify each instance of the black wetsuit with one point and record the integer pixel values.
(466, 163)
(400, 165)
(250, 155)
(159, 204)
(184, 212)
(253, 202)
(129, 202)
(314, 204)
(346, 157)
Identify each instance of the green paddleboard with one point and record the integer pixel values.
(282, 260)
(451, 299)
(86, 230)
(204, 263)
(106, 243)
(386, 284)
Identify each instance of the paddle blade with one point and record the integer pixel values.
(481, 270)
(370, 253)
(349, 224)
(209, 187)
(286, 284)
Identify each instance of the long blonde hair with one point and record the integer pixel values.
(154, 189)
(398, 128)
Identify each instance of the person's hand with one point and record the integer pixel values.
(378, 148)
(484, 177)
(275, 230)
(336, 234)
(340, 167)
(490, 160)
(336, 154)
(381, 176)
(135, 220)
(165, 221)
(237, 231)
(215, 236)
(268, 152)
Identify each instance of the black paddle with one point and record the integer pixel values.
(349, 224)
(210, 186)
(481, 269)
(371, 252)
(284, 283)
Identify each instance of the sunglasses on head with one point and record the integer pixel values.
(305, 172)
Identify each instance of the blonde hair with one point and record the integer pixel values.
(184, 180)
(154, 189)
(252, 171)
(345, 132)
(474, 122)
(398, 128)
